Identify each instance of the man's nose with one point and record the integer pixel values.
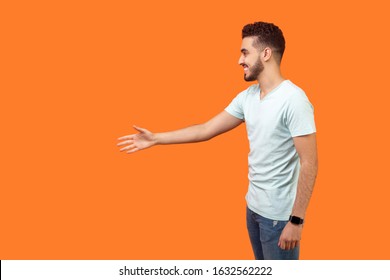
(241, 60)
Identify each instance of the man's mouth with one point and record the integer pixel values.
(245, 67)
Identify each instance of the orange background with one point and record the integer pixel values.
(76, 75)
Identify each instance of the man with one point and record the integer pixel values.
(283, 152)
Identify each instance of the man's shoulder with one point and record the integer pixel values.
(291, 87)
(251, 90)
(293, 92)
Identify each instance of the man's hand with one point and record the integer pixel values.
(290, 237)
(135, 142)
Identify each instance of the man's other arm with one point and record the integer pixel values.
(306, 147)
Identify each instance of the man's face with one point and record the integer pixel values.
(250, 60)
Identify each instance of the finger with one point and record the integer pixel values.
(127, 137)
(296, 244)
(127, 148)
(132, 151)
(125, 142)
(282, 242)
(143, 130)
(282, 246)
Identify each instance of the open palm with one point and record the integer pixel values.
(139, 141)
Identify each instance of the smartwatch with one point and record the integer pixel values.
(296, 220)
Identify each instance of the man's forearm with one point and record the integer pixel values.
(191, 134)
(307, 177)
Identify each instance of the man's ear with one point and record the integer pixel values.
(267, 53)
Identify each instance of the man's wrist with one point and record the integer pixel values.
(156, 140)
(295, 220)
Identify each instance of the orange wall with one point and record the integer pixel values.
(78, 74)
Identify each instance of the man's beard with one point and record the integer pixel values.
(254, 72)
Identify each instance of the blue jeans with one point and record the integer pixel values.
(264, 235)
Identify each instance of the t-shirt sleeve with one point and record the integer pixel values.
(300, 115)
(235, 107)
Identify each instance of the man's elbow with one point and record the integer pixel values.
(205, 133)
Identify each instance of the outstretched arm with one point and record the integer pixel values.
(221, 123)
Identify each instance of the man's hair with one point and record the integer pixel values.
(267, 35)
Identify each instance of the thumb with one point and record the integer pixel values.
(142, 130)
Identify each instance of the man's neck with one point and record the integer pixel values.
(269, 81)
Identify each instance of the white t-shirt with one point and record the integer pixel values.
(271, 124)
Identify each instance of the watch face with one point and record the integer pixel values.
(296, 220)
